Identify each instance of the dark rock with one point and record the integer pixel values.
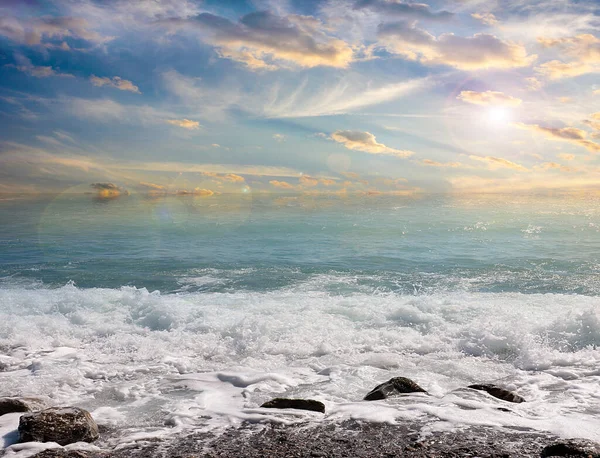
(572, 448)
(392, 387)
(498, 392)
(302, 404)
(60, 453)
(63, 425)
(15, 404)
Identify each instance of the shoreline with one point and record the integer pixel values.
(349, 438)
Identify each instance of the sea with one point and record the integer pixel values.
(167, 314)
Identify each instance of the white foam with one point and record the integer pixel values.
(153, 364)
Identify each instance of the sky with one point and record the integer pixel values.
(333, 97)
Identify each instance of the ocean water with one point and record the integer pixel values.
(163, 314)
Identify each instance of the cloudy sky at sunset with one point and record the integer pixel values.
(287, 96)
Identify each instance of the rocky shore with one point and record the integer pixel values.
(67, 431)
(348, 439)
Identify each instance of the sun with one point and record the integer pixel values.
(498, 116)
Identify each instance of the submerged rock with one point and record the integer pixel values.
(392, 387)
(302, 404)
(63, 425)
(16, 404)
(572, 448)
(498, 392)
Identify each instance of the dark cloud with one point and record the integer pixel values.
(261, 38)
(34, 31)
(105, 186)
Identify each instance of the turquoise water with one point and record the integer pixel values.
(397, 244)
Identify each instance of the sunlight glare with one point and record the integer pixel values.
(498, 116)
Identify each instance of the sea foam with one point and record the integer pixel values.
(153, 364)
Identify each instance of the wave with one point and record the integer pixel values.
(141, 358)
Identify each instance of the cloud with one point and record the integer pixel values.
(106, 190)
(593, 124)
(344, 96)
(203, 192)
(481, 51)
(108, 110)
(365, 141)
(327, 182)
(105, 186)
(431, 163)
(98, 109)
(584, 50)
(210, 169)
(498, 162)
(185, 123)
(556, 166)
(308, 181)
(485, 18)
(116, 82)
(566, 157)
(419, 11)
(567, 134)
(555, 69)
(279, 137)
(232, 177)
(192, 93)
(262, 40)
(38, 30)
(281, 184)
(152, 186)
(533, 84)
(488, 98)
(24, 65)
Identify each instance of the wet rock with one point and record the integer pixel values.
(572, 448)
(498, 392)
(60, 453)
(392, 387)
(16, 404)
(63, 425)
(302, 404)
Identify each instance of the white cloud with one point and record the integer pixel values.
(344, 96)
(485, 18)
(498, 162)
(365, 141)
(583, 50)
(481, 51)
(487, 98)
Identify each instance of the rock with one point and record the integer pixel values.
(63, 425)
(26, 404)
(302, 404)
(498, 392)
(392, 387)
(61, 453)
(572, 448)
